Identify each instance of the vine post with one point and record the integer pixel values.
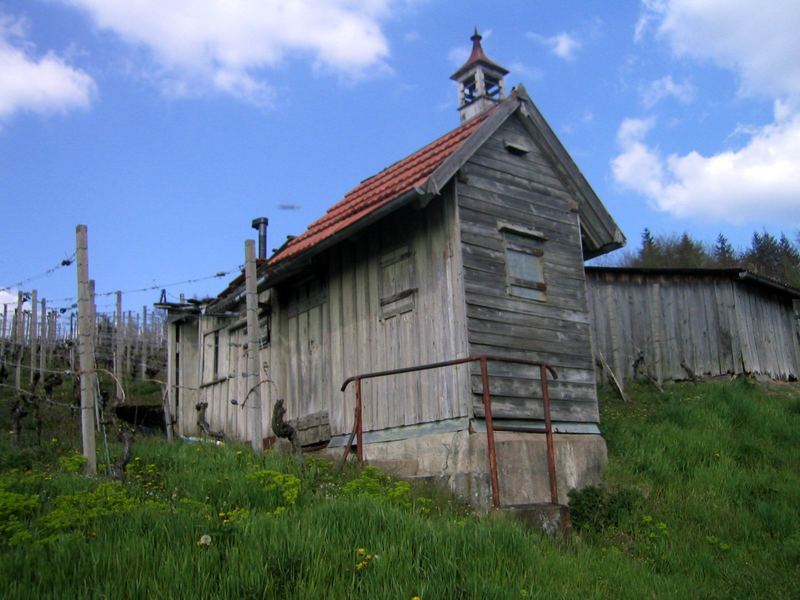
(256, 430)
(86, 351)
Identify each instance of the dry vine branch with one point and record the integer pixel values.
(637, 364)
(283, 429)
(689, 371)
(203, 424)
(611, 377)
(124, 432)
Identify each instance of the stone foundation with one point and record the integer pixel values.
(460, 461)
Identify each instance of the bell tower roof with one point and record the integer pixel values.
(478, 57)
(480, 81)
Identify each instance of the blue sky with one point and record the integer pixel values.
(167, 125)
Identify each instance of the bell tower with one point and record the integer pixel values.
(480, 82)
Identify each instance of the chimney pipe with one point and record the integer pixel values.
(261, 224)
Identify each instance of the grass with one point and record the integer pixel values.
(710, 475)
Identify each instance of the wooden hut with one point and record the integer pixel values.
(673, 324)
(472, 245)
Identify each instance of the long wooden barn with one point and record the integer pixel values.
(472, 245)
(674, 324)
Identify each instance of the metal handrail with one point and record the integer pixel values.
(483, 359)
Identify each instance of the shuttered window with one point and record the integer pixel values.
(397, 282)
(525, 264)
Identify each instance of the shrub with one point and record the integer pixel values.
(597, 508)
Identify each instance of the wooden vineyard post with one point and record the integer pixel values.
(128, 348)
(144, 342)
(86, 351)
(92, 316)
(253, 377)
(19, 336)
(33, 332)
(3, 336)
(43, 340)
(119, 333)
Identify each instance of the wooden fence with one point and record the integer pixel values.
(673, 324)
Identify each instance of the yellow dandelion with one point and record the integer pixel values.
(361, 552)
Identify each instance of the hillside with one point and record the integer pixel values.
(702, 501)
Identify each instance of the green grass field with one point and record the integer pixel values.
(702, 500)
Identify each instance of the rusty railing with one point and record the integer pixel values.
(484, 360)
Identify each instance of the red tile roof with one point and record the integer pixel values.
(377, 191)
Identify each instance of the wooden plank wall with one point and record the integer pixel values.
(712, 324)
(503, 187)
(189, 379)
(316, 348)
(345, 335)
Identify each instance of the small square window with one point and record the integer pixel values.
(525, 264)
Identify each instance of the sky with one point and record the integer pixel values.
(166, 126)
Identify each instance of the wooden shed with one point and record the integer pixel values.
(472, 245)
(674, 324)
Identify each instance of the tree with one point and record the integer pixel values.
(789, 261)
(764, 255)
(689, 253)
(648, 255)
(723, 252)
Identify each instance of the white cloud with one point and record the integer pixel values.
(523, 71)
(458, 56)
(758, 40)
(666, 87)
(563, 45)
(758, 182)
(760, 179)
(40, 85)
(226, 45)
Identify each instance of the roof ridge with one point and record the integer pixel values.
(388, 183)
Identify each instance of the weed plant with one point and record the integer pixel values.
(700, 501)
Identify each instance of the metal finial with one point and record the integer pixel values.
(476, 37)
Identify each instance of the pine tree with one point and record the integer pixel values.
(724, 254)
(764, 255)
(789, 261)
(648, 255)
(689, 253)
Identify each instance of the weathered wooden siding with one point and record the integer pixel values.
(713, 324)
(498, 187)
(327, 325)
(188, 379)
(317, 349)
(199, 384)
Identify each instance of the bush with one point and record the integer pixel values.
(597, 508)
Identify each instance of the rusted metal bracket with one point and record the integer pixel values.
(484, 359)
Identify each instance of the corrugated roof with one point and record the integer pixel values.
(373, 193)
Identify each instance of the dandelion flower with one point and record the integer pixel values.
(205, 540)
(361, 552)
